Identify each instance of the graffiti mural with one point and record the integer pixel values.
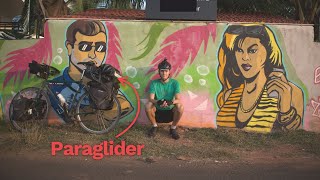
(86, 40)
(245, 76)
(256, 94)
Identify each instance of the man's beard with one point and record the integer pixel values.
(81, 67)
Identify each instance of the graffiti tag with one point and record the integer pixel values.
(317, 75)
(316, 108)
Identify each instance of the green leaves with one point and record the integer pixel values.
(1, 42)
(304, 10)
(153, 36)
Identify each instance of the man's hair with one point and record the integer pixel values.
(85, 27)
(164, 64)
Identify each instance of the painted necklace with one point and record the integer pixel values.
(253, 106)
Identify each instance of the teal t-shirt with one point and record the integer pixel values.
(164, 91)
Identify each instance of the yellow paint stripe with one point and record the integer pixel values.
(260, 106)
(230, 102)
(234, 94)
(223, 118)
(272, 100)
(234, 99)
(230, 106)
(225, 113)
(226, 124)
(227, 110)
(265, 113)
(260, 130)
(261, 123)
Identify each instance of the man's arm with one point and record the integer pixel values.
(151, 98)
(177, 99)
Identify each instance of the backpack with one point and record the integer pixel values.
(100, 95)
(39, 69)
(103, 87)
(42, 70)
(24, 109)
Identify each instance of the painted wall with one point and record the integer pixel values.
(226, 71)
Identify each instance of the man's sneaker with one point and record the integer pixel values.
(174, 134)
(152, 132)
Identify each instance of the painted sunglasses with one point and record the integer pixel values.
(85, 46)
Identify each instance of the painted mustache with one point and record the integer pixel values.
(75, 61)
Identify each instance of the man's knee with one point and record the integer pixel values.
(179, 107)
(149, 107)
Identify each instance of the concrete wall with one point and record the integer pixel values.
(212, 89)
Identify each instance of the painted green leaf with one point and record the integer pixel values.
(1, 43)
(153, 36)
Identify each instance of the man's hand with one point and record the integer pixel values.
(164, 103)
(160, 102)
(169, 102)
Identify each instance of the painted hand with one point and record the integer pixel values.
(279, 83)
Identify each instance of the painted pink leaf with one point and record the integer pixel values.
(182, 45)
(114, 47)
(18, 60)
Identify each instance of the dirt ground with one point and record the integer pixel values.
(280, 160)
(259, 164)
(41, 165)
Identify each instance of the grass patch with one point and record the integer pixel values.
(308, 141)
(3, 126)
(217, 144)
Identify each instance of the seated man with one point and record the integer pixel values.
(164, 104)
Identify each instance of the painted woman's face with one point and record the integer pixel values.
(251, 56)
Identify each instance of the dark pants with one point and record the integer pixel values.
(164, 116)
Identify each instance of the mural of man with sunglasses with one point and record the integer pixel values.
(86, 40)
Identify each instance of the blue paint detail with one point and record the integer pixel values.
(65, 91)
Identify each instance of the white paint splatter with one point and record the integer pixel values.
(136, 85)
(202, 82)
(203, 70)
(131, 71)
(188, 78)
(57, 60)
(59, 50)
